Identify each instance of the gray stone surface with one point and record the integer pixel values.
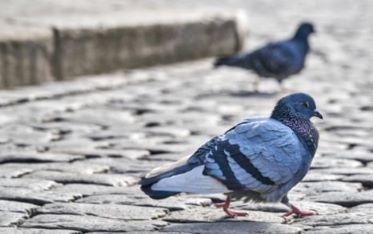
(89, 223)
(327, 162)
(320, 208)
(232, 227)
(344, 229)
(36, 197)
(82, 190)
(15, 230)
(216, 215)
(338, 219)
(72, 167)
(347, 199)
(66, 177)
(364, 208)
(11, 218)
(32, 184)
(314, 188)
(17, 207)
(7, 157)
(366, 180)
(69, 151)
(110, 211)
(319, 176)
(8, 172)
(140, 200)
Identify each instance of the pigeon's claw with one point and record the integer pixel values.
(234, 213)
(298, 213)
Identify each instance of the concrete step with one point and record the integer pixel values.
(39, 48)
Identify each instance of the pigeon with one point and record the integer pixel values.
(260, 159)
(278, 60)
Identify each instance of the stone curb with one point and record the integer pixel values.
(37, 50)
(25, 54)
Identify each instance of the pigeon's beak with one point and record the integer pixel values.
(317, 114)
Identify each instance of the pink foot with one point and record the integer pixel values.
(298, 213)
(234, 213)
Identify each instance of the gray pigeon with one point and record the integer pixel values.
(259, 159)
(278, 60)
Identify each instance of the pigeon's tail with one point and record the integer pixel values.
(222, 61)
(182, 176)
(233, 61)
(155, 194)
(150, 183)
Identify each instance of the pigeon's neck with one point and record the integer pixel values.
(301, 35)
(303, 128)
(302, 39)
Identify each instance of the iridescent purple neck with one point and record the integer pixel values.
(303, 128)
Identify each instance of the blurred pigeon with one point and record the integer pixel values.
(277, 60)
(259, 159)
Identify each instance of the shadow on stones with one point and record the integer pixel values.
(239, 94)
(243, 93)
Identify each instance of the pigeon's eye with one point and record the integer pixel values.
(306, 104)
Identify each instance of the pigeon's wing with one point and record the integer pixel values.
(260, 156)
(276, 59)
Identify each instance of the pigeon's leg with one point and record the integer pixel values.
(283, 89)
(256, 85)
(229, 212)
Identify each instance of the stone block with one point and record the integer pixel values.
(136, 40)
(25, 54)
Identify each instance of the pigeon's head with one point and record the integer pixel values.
(304, 30)
(297, 105)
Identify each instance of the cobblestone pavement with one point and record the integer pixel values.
(69, 150)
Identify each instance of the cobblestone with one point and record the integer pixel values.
(347, 199)
(14, 230)
(11, 218)
(232, 227)
(122, 212)
(70, 151)
(344, 229)
(89, 223)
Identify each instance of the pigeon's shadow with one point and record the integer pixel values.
(243, 93)
(227, 226)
